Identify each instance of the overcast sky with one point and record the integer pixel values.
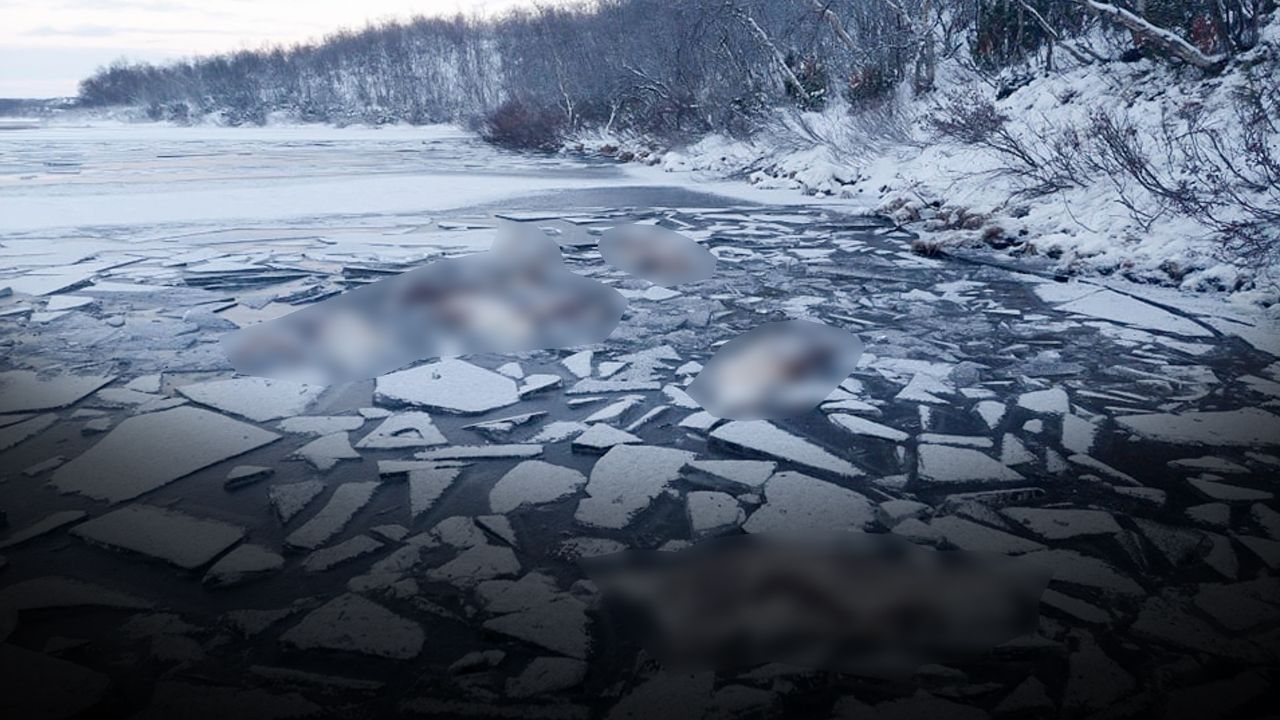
(47, 46)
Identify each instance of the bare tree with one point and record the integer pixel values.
(1166, 40)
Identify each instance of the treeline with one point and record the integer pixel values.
(659, 66)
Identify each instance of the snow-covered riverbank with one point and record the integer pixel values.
(960, 195)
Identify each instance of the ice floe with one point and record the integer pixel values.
(175, 537)
(763, 437)
(351, 623)
(534, 482)
(1246, 426)
(452, 386)
(625, 481)
(346, 501)
(24, 390)
(254, 398)
(945, 464)
(798, 503)
(146, 452)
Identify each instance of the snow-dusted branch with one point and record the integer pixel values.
(1168, 41)
(781, 60)
(837, 27)
(1053, 34)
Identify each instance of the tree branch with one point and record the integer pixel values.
(1168, 41)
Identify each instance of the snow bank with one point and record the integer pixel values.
(887, 161)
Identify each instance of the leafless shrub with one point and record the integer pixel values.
(1228, 182)
(1044, 166)
(522, 125)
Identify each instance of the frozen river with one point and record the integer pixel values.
(181, 540)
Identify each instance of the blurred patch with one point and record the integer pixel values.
(661, 256)
(517, 296)
(869, 604)
(776, 370)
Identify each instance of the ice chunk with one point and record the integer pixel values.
(797, 503)
(659, 255)
(449, 385)
(859, 426)
(732, 474)
(403, 430)
(44, 466)
(322, 560)
(183, 540)
(579, 363)
(11, 435)
(534, 482)
(466, 452)
(973, 441)
(1053, 401)
(499, 427)
(991, 412)
(712, 513)
(1078, 434)
(427, 485)
(1064, 524)
(149, 451)
(545, 675)
(759, 436)
(599, 438)
(615, 410)
(1228, 493)
(518, 296)
(325, 452)
(254, 398)
(351, 623)
(776, 370)
(924, 389)
(1013, 452)
(1246, 426)
(43, 526)
(289, 499)
(1110, 305)
(558, 431)
(971, 536)
(538, 382)
(625, 481)
(560, 626)
(945, 464)
(242, 564)
(1077, 569)
(345, 502)
(23, 390)
(245, 475)
(476, 564)
(591, 386)
(321, 424)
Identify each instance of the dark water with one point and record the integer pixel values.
(1175, 601)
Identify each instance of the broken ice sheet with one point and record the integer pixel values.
(23, 390)
(146, 452)
(518, 296)
(661, 256)
(776, 370)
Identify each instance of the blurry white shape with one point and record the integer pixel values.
(776, 370)
(516, 297)
(661, 256)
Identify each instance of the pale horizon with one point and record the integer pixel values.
(48, 46)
